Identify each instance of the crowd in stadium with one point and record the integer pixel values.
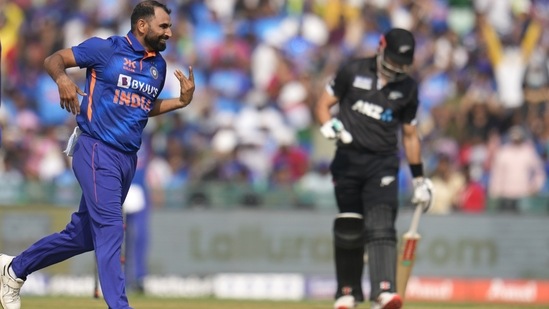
(259, 65)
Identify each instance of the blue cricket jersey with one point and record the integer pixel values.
(123, 81)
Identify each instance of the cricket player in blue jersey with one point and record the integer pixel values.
(125, 75)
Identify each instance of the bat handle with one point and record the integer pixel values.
(415, 219)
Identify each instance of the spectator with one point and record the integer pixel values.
(536, 79)
(224, 165)
(316, 187)
(11, 179)
(517, 172)
(509, 55)
(290, 155)
(472, 198)
(447, 183)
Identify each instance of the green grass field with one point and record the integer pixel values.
(141, 302)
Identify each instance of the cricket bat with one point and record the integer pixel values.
(407, 254)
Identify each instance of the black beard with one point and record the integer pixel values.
(154, 43)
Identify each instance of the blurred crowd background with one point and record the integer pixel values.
(250, 139)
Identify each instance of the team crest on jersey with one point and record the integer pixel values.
(154, 72)
(362, 82)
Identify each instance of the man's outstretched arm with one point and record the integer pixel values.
(162, 106)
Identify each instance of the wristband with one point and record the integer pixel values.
(417, 170)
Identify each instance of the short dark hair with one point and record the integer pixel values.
(145, 10)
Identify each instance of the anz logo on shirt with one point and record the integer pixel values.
(374, 111)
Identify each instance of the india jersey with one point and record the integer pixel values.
(123, 81)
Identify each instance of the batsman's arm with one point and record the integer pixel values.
(331, 128)
(323, 105)
(423, 187)
(411, 144)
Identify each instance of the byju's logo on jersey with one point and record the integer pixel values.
(124, 81)
(373, 110)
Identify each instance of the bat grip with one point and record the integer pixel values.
(415, 219)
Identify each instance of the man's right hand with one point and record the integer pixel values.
(333, 129)
(68, 94)
(55, 65)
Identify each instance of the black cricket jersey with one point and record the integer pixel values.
(373, 115)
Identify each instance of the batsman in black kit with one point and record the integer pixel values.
(378, 100)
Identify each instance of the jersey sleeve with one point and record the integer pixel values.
(410, 110)
(340, 83)
(93, 52)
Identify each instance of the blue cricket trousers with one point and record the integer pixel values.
(105, 176)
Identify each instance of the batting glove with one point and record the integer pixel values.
(423, 192)
(333, 129)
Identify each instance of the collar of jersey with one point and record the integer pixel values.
(135, 43)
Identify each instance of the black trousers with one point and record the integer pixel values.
(363, 180)
(367, 184)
